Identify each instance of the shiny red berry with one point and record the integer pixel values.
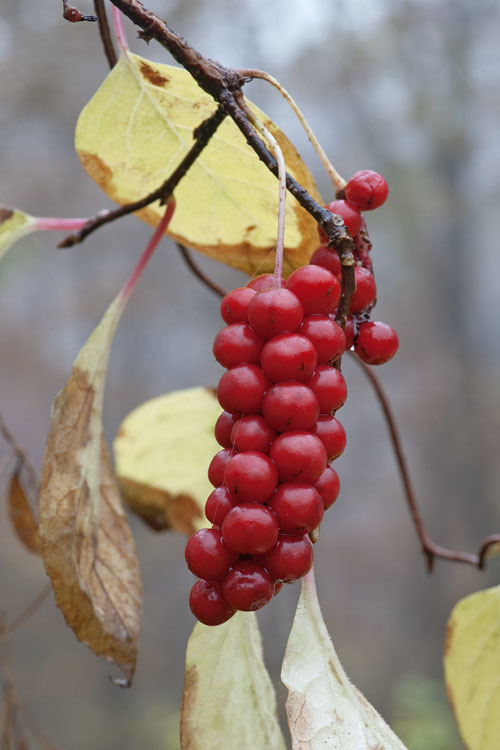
(298, 507)
(328, 486)
(274, 311)
(242, 388)
(290, 559)
(251, 476)
(207, 556)
(218, 466)
(316, 287)
(377, 342)
(223, 427)
(328, 258)
(299, 456)
(350, 215)
(234, 306)
(329, 387)
(365, 291)
(332, 435)
(290, 406)
(264, 281)
(350, 331)
(238, 344)
(218, 505)
(208, 604)
(248, 586)
(367, 189)
(250, 529)
(252, 433)
(326, 335)
(288, 356)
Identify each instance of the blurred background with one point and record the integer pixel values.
(409, 88)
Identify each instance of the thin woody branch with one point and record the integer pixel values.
(203, 133)
(105, 32)
(196, 270)
(430, 549)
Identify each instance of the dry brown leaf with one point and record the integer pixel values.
(87, 547)
(21, 516)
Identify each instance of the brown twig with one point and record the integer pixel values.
(21, 455)
(26, 613)
(203, 133)
(199, 273)
(104, 30)
(430, 549)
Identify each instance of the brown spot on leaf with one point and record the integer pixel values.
(448, 637)
(97, 169)
(188, 738)
(22, 517)
(159, 509)
(5, 214)
(152, 75)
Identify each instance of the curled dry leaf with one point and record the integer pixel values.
(162, 452)
(14, 224)
(21, 516)
(472, 668)
(324, 709)
(229, 700)
(138, 127)
(87, 547)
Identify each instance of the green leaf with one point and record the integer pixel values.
(162, 452)
(138, 127)
(324, 709)
(228, 700)
(472, 668)
(87, 547)
(14, 224)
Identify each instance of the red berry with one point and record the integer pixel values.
(218, 466)
(223, 427)
(367, 189)
(238, 344)
(248, 586)
(326, 335)
(251, 476)
(316, 287)
(264, 281)
(207, 556)
(290, 406)
(365, 291)
(288, 356)
(350, 215)
(328, 486)
(350, 331)
(298, 507)
(332, 434)
(250, 529)
(327, 257)
(274, 311)
(299, 456)
(290, 559)
(377, 342)
(207, 603)
(218, 505)
(242, 388)
(252, 433)
(234, 306)
(329, 387)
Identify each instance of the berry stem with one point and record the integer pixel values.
(121, 37)
(280, 160)
(337, 180)
(49, 224)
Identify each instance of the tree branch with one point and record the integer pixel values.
(430, 549)
(193, 266)
(203, 133)
(105, 32)
(23, 459)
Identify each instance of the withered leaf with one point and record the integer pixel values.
(21, 515)
(87, 547)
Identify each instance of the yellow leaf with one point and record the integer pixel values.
(21, 516)
(87, 547)
(229, 700)
(138, 127)
(472, 668)
(324, 709)
(14, 224)
(162, 452)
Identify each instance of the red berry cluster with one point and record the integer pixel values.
(278, 431)
(374, 342)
